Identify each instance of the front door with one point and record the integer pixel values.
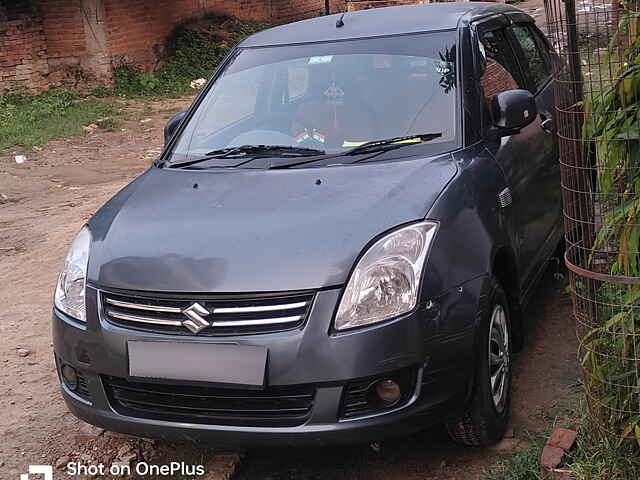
(528, 159)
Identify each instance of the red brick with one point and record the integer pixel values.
(551, 457)
(562, 438)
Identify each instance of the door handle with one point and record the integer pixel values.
(546, 124)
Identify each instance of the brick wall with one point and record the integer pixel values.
(23, 58)
(337, 6)
(62, 22)
(65, 40)
(355, 5)
(73, 42)
(285, 11)
(134, 30)
(137, 31)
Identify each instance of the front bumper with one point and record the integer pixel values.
(440, 351)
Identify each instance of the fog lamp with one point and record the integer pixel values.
(388, 391)
(70, 377)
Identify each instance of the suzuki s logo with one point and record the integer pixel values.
(195, 323)
(45, 470)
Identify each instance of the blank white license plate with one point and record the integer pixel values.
(202, 362)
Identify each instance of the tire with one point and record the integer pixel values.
(485, 421)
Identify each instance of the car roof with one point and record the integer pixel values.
(377, 22)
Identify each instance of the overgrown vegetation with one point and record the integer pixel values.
(32, 120)
(610, 350)
(610, 445)
(595, 458)
(614, 124)
(197, 47)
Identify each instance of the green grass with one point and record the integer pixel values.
(522, 465)
(592, 458)
(602, 460)
(32, 120)
(600, 457)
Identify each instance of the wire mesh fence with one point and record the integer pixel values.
(597, 87)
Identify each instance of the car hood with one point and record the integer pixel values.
(255, 230)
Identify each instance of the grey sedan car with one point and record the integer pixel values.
(336, 244)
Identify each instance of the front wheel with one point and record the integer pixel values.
(485, 422)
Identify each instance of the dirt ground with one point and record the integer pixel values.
(44, 202)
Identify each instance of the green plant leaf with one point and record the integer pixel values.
(627, 430)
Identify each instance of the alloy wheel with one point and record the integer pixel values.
(499, 357)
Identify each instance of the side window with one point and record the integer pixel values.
(536, 56)
(501, 72)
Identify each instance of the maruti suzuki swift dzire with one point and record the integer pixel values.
(336, 243)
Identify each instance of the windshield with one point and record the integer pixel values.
(329, 97)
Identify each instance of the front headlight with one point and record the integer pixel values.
(69, 297)
(386, 280)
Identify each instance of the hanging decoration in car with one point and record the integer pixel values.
(335, 95)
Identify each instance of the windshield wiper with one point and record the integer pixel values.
(250, 150)
(394, 142)
(372, 146)
(267, 149)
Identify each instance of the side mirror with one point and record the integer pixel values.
(512, 111)
(172, 125)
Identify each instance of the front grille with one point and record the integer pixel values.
(207, 315)
(274, 406)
